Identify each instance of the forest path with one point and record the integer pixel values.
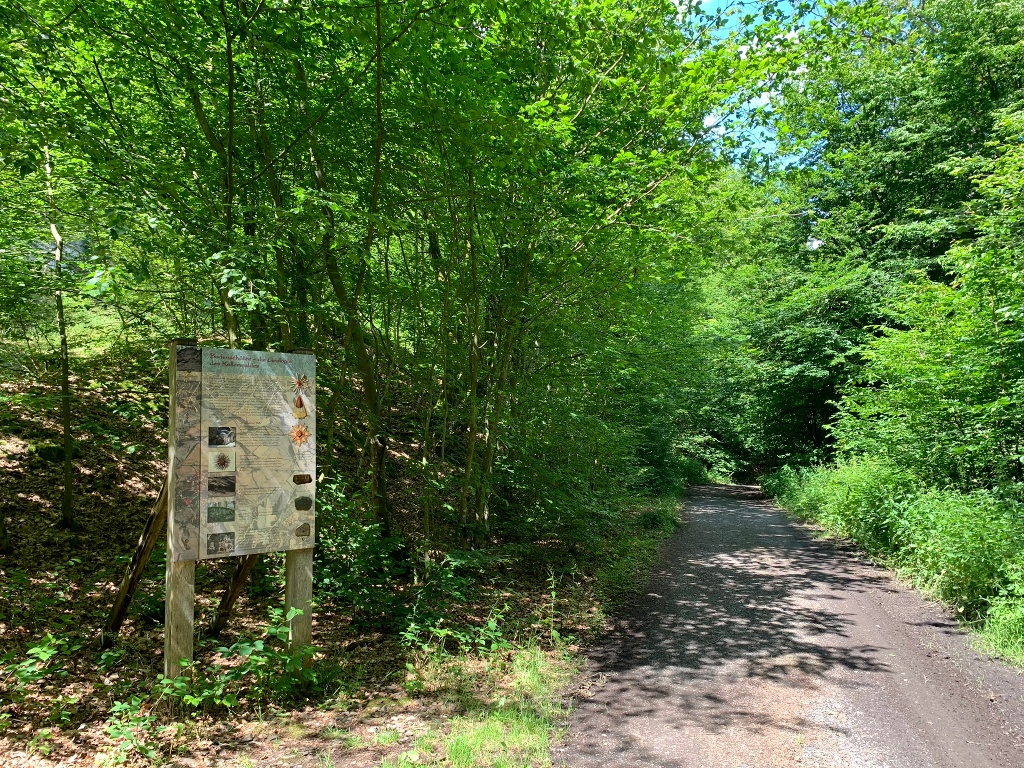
(757, 646)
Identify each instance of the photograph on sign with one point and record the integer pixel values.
(225, 484)
(220, 511)
(222, 460)
(223, 437)
(220, 544)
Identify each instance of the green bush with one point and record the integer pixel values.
(1004, 624)
(259, 670)
(782, 485)
(956, 546)
(859, 500)
(354, 566)
(691, 471)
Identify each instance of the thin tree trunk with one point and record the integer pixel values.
(473, 321)
(492, 430)
(378, 441)
(331, 418)
(508, 330)
(225, 152)
(67, 517)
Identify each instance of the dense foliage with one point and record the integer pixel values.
(437, 199)
(556, 258)
(552, 257)
(874, 331)
(488, 220)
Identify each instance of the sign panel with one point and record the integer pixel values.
(245, 453)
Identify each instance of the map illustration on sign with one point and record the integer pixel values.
(244, 453)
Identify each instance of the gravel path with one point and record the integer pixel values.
(758, 646)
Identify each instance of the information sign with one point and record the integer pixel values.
(244, 467)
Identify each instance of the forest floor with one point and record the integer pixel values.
(757, 643)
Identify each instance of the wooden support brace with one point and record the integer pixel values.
(231, 594)
(133, 573)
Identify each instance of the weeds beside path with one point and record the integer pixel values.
(965, 549)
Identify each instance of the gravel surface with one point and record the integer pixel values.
(758, 646)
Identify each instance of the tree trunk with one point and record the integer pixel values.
(67, 517)
(473, 333)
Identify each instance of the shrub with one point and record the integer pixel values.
(691, 471)
(956, 546)
(860, 499)
(354, 565)
(1004, 622)
(782, 484)
(258, 670)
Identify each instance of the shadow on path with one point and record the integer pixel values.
(737, 603)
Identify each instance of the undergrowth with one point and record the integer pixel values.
(964, 548)
(485, 636)
(627, 559)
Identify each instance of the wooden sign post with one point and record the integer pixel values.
(241, 477)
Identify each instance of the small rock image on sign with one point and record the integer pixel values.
(221, 485)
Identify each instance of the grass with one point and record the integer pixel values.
(627, 559)
(386, 737)
(346, 738)
(509, 704)
(513, 723)
(1003, 631)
